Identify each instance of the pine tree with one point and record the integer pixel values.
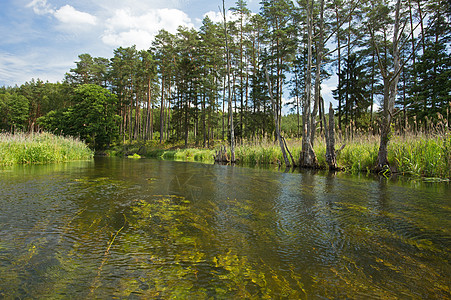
(281, 43)
(124, 78)
(433, 68)
(354, 82)
(165, 55)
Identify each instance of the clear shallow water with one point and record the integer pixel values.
(160, 229)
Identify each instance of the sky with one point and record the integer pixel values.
(43, 38)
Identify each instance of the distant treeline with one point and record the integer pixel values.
(177, 89)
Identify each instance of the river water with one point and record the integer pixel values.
(140, 229)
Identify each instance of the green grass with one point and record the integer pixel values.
(359, 154)
(40, 148)
(422, 156)
(190, 154)
(414, 155)
(169, 151)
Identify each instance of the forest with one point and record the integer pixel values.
(244, 78)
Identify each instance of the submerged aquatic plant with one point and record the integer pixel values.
(120, 244)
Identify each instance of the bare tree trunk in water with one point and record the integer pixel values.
(329, 131)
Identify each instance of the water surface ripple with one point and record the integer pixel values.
(119, 228)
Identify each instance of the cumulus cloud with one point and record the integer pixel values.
(69, 15)
(126, 28)
(118, 24)
(327, 88)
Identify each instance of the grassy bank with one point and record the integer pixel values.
(415, 155)
(190, 154)
(153, 149)
(40, 148)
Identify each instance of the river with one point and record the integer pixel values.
(140, 229)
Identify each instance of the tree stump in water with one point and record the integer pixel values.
(221, 156)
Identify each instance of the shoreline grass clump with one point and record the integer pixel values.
(188, 154)
(425, 156)
(413, 155)
(359, 154)
(41, 148)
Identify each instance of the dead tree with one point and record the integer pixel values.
(391, 79)
(329, 132)
(307, 157)
(276, 121)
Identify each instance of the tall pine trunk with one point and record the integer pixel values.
(319, 54)
(232, 130)
(337, 16)
(276, 122)
(162, 111)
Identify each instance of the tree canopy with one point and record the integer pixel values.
(93, 117)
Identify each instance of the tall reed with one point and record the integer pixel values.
(428, 156)
(359, 153)
(40, 148)
(408, 154)
(415, 155)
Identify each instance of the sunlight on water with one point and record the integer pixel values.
(161, 229)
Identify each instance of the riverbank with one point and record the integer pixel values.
(412, 155)
(41, 148)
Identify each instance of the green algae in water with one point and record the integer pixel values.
(111, 234)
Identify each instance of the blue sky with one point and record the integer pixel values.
(43, 38)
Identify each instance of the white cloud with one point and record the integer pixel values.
(11, 67)
(327, 88)
(69, 15)
(41, 7)
(217, 17)
(126, 28)
(18, 70)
